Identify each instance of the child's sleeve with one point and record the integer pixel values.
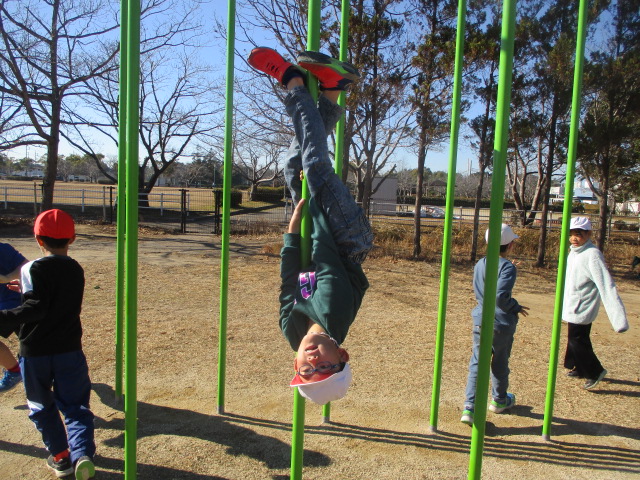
(290, 266)
(506, 282)
(35, 299)
(608, 292)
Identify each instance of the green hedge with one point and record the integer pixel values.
(236, 196)
(269, 194)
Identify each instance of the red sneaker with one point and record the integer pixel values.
(269, 61)
(330, 72)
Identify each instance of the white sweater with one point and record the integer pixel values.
(587, 281)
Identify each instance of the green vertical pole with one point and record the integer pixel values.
(297, 432)
(446, 242)
(566, 216)
(121, 203)
(495, 221)
(226, 206)
(131, 241)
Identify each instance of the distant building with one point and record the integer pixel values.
(581, 193)
(384, 201)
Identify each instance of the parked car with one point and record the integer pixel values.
(426, 211)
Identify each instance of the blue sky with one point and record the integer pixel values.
(215, 54)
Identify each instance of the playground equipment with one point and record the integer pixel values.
(126, 273)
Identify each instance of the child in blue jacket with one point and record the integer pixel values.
(504, 328)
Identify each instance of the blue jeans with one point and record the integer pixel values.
(57, 384)
(501, 351)
(349, 226)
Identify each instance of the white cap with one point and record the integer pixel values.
(507, 235)
(580, 223)
(333, 388)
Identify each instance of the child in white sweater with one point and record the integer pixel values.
(587, 281)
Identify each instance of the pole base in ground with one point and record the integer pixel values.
(326, 421)
(432, 430)
(546, 438)
(220, 409)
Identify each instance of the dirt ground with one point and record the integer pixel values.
(380, 430)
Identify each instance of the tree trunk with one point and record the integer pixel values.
(542, 240)
(422, 154)
(476, 214)
(51, 168)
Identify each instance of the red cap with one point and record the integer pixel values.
(54, 224)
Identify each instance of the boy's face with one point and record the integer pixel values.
(579, 237)
(313, 350)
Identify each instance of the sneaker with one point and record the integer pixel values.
(61, 468)
(268, 61)
(592, 382)
(330, 72)
(574, 373)
(85, 468)
(10, 380)
(496, 407)
(467, 417)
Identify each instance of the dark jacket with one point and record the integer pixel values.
(329, 291)
(48, 321)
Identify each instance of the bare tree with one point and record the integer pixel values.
(377, 119)
(176, 110)
(52, 48)
(257, 161)
(49, 49)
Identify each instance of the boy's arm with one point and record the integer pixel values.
(12, 275)
(289, 269)
(290, 263)
(506, 282)
(608, 292)
(35, 303)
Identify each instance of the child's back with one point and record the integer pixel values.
(50, 315)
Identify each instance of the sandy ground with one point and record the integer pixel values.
(380, 430)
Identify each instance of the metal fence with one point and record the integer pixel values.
(200, 211)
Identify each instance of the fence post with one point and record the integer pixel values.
(104, 203)
(161, 204)
(111, 203)
(82, 201)
(183, 210)
(6, 198)
(35, 199)
(217, 202)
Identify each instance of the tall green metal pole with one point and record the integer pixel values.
(566, 216)
(495, 221)
(120, 202)
(131, 299)
(297, 433)
(226, 205)
(446, 242)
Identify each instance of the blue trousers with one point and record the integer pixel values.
(349, 226)
(501, 351)
(59, 384)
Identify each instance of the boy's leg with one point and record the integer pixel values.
(350, 228)
(72, 390)
(38, 380)
(330, 113)
(472, 378)
(502, 343)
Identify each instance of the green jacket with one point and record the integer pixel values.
(329, 291)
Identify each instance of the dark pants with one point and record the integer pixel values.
(580, 353)
(57, 384)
